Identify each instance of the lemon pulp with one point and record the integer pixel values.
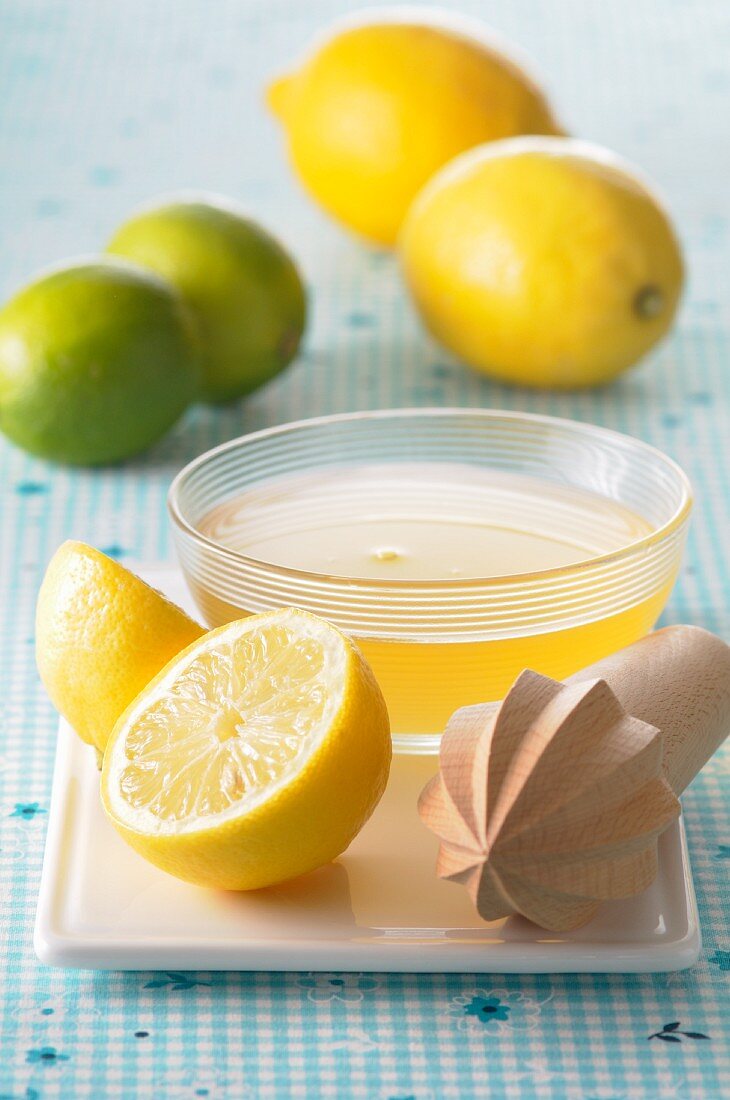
(229, 728)
(257, 754)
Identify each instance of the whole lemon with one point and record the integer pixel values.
(376, 108)
(239, 282)
(97, 360)
(542, 261)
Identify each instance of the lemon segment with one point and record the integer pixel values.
(254, 756)
(101, 635)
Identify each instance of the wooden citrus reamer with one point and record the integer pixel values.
(553, 801)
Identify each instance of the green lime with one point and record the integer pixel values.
(97, 360)
(242, 285)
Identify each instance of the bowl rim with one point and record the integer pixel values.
(577, 427)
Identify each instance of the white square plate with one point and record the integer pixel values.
(379, 907)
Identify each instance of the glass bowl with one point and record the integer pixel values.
(436, 645)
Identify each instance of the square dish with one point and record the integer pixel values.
(377, 908)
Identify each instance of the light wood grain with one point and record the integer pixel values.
(553, 801)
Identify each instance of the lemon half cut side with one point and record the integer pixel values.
(257, 754)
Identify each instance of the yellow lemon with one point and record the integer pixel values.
(377, 107)
(542, 261)
(254, 756)
(101, 635)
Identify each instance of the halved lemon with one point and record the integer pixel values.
(255, 755)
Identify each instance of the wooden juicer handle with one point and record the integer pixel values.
(553, 801)
(677, 679)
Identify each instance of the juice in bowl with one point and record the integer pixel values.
(457, 546)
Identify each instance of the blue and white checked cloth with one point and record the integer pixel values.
(103, 105)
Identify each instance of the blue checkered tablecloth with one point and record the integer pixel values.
(103, 105)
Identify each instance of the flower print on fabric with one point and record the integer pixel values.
(349, 988)
(39, 1008)
(494, 1011)
(487, 1009)
(46, 1056)
(31, 488)
(27, 811)
(721, 959)
(202, 1079)
(173, 979)
(537, 1071)
(356, 1041)
(670, 1033)
(12, 850)
(114, 550)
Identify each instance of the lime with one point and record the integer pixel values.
(242, 285)
(97, 360)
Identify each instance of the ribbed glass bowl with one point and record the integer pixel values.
(438, 645)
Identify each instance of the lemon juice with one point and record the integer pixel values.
(429, 525)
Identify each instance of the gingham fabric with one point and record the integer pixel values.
(103, 105)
